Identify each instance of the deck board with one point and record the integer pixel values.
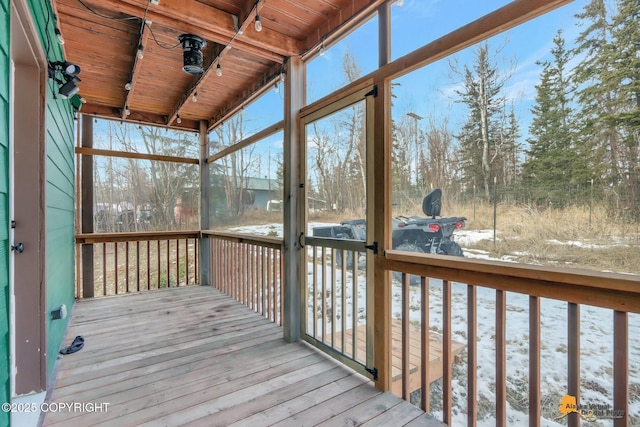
(193, 356)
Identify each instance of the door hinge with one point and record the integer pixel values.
(373, 247)
(373, 372)
(373, 92)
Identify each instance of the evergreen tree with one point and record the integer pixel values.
(481, 141)
(608, 83)
(552, 160)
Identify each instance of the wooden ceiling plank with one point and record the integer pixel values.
(210, 23)
(242, 27)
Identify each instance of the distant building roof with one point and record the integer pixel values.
(263, 184)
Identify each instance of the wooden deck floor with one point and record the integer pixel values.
(193, 356)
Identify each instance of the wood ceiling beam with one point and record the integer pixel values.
(190, 16)
(114, 113)
(242, 28)
(134, 70)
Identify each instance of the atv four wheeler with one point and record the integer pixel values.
(413, 234)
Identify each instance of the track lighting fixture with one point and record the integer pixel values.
(219, 70)
(178, 119)
(127, 111)
(140, 52)
(276, 88)
(192, 53)
(127, 86)
(194, 98)
(258, 23)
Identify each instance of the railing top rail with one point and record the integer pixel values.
(136, 236)
(273, 242)
(601, 289)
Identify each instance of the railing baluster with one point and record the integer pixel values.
(158, 259)
(324, 295)
(195, 262)
(268, 287)
(425, 345)
(148, 265)
(186, 260)
(252, 277)
(621, 367)
(447, 360)
(406, 343)
(115, 255)
(333, 296)
(263, 280)
(177, 262)
(245, 274)
(343, 301)
(354, 313)
(126, 265)
(138, 266)
(501, 359)
(573, 353)
(534, 361)
(168, 264)
(274, 285)
(104, 269)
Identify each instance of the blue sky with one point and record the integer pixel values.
(430, 90)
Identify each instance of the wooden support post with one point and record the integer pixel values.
(87, 208)
(379, 178)
(293, 202)
(205, 191)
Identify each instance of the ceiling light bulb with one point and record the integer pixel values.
(321, 50)
(140, 52)
(178, 119)
(276, 88)
(59, 35)
(194, 98)
(127, 111)
(258, 24)
(218, 70)
(281, 77)
(127, 86)
(400, 3)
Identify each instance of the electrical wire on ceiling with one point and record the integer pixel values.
(113, 18)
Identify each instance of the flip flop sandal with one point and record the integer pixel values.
(76, 345)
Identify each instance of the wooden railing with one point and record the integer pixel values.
(531, 285)
(249, 268)
(134, 262)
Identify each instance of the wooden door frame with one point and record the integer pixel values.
(28, 296)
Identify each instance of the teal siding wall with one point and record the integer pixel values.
(5, 17)
(60, 191)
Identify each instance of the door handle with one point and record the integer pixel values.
(18, 248)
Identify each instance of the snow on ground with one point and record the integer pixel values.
(596, 327)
